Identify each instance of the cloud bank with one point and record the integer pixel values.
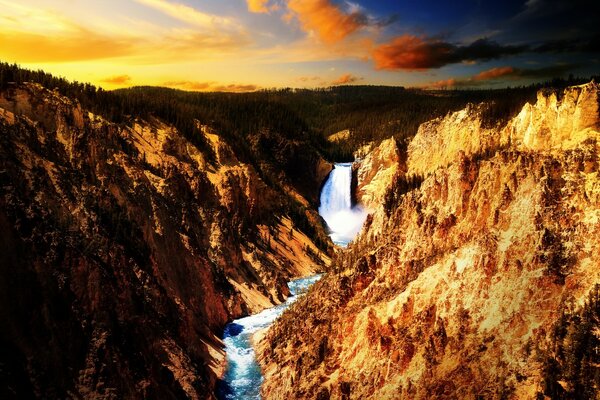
(327, 19)
(502, 73)
(408, 52)
(196, 86)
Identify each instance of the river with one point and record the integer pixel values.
(243, 377)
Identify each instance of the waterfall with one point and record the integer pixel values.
(343, 220)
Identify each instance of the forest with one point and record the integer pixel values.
(371, 113)
(276, 127)
(572, 353)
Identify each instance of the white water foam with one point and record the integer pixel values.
(343, 220)
(243, 377)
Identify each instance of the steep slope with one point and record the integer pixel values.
(374, 173)
(123, 253)
(463, 280)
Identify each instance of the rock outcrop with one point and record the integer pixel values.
(339, 136)
(124, 252)
(460, 285)
(552, 123)
(375, 172)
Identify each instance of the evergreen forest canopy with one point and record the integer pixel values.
(283, 132)
(267, 121)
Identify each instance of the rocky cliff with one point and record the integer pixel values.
(375, 172)
(475, 278)
(124, 250)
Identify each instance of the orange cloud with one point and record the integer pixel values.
(441, 84)
(117, 80)
(36, 35)
(409, 52)
(475, 80)
(324, 18)
(84, 45)
(181, 44)
(260, 6)
(345, 79)
(494, 73)
(210, 86)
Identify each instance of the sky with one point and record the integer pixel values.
(247, 45)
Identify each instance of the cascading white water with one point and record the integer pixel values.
(343, 220)
(244, 377)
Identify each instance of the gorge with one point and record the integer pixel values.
(243, 377)
(159, 244)
(299, 200)
(476, 276)
(136, 250)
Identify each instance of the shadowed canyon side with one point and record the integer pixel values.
(124, 251)
(476, 276)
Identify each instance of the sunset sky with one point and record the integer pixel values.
(244, 45)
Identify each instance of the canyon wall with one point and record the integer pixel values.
(375, 171)
(476, 276)
(124, 250)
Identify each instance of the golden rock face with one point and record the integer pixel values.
(375, 172)
(454, 289)
(550, 124)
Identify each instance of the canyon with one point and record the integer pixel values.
(134, 250)
(299, 200)
(243, 377)
(475, 275)
(124, 251)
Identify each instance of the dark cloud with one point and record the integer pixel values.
(553, 21)
(484, 49)
(413, 53)
(384, 21)
(408, 52)
(583, 45)
(539, 27)
(551, 71)
(504, 74)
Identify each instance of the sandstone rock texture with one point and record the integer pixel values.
(123, 253)
(457, 286)
(375, 172)
(339, 136)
